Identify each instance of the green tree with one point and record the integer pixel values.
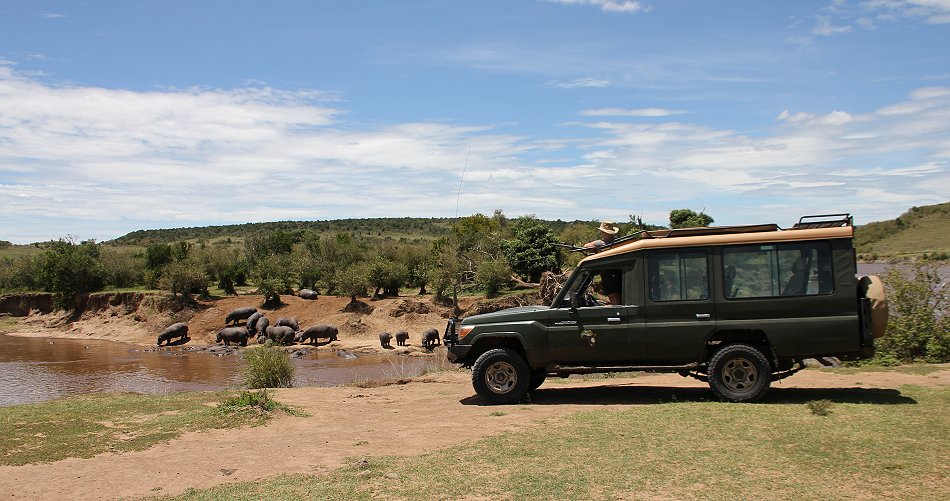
(533, 251)
(687, 218)
(157, 255)
(493, 276)
(919, 323)
(68, 269)
(352, 281)
(185, 278)
(273, 277)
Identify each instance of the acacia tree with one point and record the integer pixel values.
(533, 250)
(688, 218)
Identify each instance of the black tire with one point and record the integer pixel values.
(501, 376)
(739, 373)
(537, 379)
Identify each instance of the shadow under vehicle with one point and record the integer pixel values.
(737, 307)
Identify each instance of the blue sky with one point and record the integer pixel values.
(124, 115)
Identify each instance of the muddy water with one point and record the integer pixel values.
(37, 369)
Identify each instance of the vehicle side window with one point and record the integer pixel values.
(751, 271)
(678, 276)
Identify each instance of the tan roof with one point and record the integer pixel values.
(730, 238)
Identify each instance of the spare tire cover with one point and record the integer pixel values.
(872, 288)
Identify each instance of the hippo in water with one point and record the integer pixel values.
(179, 330)
(430, 339)
(384, 339)
(232, 335)
(401, 337)
(315, 332)
(239, 314)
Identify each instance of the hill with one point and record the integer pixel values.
(919, 232)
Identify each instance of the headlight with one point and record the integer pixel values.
(464, 330)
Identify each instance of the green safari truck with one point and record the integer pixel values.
(737, 307)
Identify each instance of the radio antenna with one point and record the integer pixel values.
(458, 196)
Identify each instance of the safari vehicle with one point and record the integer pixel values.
(737, 307)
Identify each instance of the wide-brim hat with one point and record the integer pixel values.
(608, 227)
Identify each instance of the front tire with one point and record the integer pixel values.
(501, 376)
(739, 373)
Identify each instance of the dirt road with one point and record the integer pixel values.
(429, 413)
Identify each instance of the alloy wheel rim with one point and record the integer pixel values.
(740, 375)
(501, 377)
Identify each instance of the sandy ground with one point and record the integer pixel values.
(358, 331)
(429, 413)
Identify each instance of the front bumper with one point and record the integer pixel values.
(458, 352)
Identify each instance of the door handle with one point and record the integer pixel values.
(703, 316)
(613, 320)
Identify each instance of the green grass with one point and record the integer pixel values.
(88, 425)
(870, 446)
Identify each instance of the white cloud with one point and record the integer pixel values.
(101, 162)
(825, 28)
(636, 112)
(623, 6)
(582, 82)
(53, 15)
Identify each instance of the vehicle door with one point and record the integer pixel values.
(680, 311)
(590, 330)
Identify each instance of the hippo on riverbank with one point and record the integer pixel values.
(307, 294)
(239, 314)
(288, 322)
(179, 330)
(232, 335)
(315, 332)
(252, 322)
(430, 339)
(281, 334)
(384, 339)
(261, 327)
(401, 337)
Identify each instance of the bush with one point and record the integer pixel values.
(820, 407)
(267, 367)
(493, 276)
(68, 269)
(919, 324)
(185, 278)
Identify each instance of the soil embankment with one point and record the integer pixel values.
(137, 318)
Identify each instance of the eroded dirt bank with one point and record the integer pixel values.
(429, 413)
(138, 318)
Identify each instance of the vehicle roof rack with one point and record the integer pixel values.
(824, 221)
(712, 230)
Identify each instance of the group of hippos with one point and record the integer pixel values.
(284, 331)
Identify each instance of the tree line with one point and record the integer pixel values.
(478, 253)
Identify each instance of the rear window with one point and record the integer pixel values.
(773, 270)
(678, 276)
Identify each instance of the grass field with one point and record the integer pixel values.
(88, 425)
(879, 445)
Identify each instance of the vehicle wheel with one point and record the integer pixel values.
(501, 376)
(537, 379)
(739, 373)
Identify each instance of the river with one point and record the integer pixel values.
(34, 369)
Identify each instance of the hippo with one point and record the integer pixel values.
(288, 322)
(307, 294)
(281, 334)
(239, 314)
(384, 339)
(261, 326)
(232, 335)
(401, 337)
(179, 330)
(252, 322)
(430, 339)
(315, 332)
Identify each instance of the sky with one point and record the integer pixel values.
(123, 115)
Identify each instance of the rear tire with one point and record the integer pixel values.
(739, 373)
(501, 376)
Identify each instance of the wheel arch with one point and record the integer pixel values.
(754, 337)
(494, 340)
